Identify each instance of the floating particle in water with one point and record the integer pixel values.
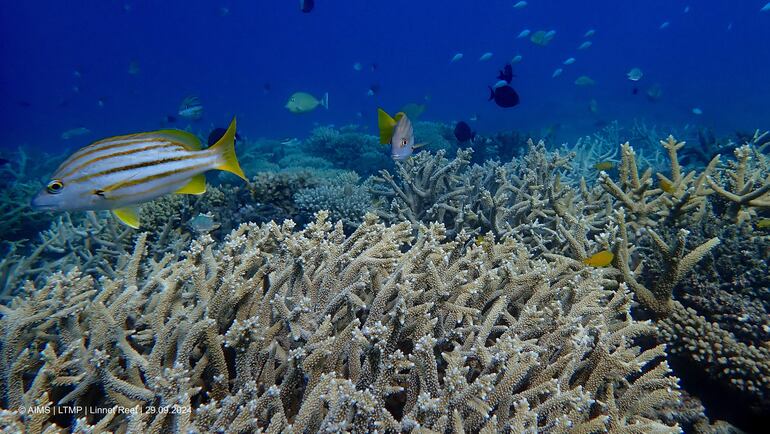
(585, 45)
(484, 57)
(557, 72)
(520, 5)
(456, 58)
(524, 33)
(569, 61)
(697, 111)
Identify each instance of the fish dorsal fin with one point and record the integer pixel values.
(197, 185)
(386, 125)
(189, 140)
(129, 216)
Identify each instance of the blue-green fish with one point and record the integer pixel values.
(121, 172)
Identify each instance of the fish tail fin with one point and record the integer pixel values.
(491, 93)
(325, 101)
(225, 149)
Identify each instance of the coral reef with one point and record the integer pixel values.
(275, 329)
(348, 147)
(471, 307)
(343, 197)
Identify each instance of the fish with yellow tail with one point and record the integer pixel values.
(119, 173)
(601, 259)
(398, 132)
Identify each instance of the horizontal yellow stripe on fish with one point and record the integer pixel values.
(93, 148)
(130, 151)
(153, 183)
(190, 157)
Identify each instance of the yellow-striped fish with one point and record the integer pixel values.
(121, 172)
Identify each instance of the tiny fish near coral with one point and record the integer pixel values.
(600, 259)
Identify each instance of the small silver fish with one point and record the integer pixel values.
(191, 108)
(75, 132)
(203, 223)
(120, 172)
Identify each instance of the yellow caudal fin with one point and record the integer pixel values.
(197, 185)
(225, 149)
(129, 216)
(386, 124)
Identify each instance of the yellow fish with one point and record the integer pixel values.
(119, 173)
(302, 102)
(601, 259)
(763, 223)
(666, 186)
(604, 165)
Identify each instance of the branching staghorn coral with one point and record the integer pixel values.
(427, 187)
(744, 176)
(310, 331)
(524, 198)
(95, 243)
(658, 298)
(344, 197)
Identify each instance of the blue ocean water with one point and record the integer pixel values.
(66, 64)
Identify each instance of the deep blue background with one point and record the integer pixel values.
(192, 47)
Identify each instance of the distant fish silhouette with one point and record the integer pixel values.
(506, 73)
(504, 96)
(463, 132)
(218, 133)
(374, 89)
(306, 6)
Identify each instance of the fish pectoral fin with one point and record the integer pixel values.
(386, 125)
(197, 185)
(129, 216)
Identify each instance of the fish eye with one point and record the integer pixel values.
(54, 186)
(404, 142)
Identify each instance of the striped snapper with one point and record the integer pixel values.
(121, 172)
